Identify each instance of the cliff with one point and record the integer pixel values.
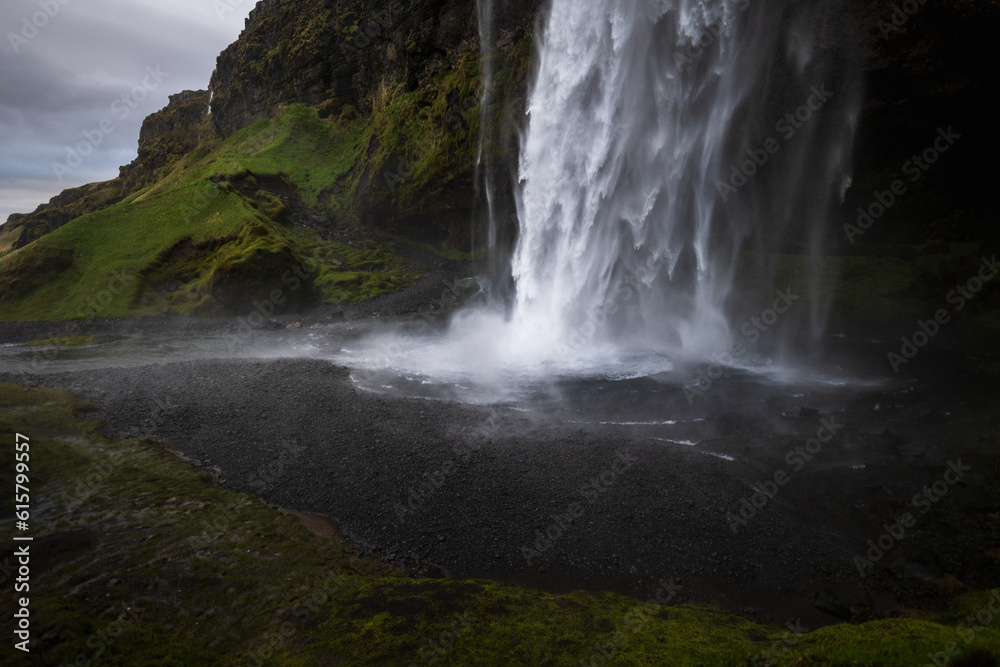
(362, 121)
(928, 66)
(166, 136)
(412, 69)
(332, 53)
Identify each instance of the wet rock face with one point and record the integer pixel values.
(332, 53)
(928, 65)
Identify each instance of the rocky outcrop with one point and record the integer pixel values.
(351, 58)
(165, 137)
(333, 53)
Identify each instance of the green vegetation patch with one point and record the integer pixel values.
(215, 237)
(67, 341)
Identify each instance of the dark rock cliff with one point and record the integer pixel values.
(927, 66)
(332, 53)
(166, 136)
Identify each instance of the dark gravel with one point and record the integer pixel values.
(302, 436)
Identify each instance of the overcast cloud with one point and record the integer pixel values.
(92, 62)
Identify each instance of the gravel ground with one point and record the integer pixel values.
(538, 499)
(476, 491)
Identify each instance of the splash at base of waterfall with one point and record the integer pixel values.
(635, 250)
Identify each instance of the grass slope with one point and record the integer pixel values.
(140, 559)
(214, 237)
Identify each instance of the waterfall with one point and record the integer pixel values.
(666, 139)
(672, 149)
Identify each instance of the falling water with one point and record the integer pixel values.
(632, 221)
(668, 144)
(484, 171)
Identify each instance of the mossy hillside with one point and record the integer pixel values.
(214, 219)
(111, 249)
(310, 154)
(158, 564)
(356, 273)
(417, 142)
(420, 143)
(207, 232)
(20, 230)
(317, 159)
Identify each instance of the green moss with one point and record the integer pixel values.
(442, 249)
(393, 163)
(67, 206)
(418, 142)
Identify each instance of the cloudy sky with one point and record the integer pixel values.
(85, 79)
